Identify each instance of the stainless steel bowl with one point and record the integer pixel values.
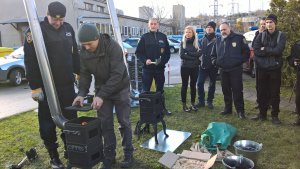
(237, 162)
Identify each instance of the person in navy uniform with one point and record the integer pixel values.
(63, 56)
(154, 52)
(229, 53)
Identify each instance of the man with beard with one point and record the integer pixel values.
(229, 53)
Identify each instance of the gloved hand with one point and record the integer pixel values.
(97, 103)
(78, 101)
(37, 94)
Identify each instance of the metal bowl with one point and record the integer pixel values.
(248, 148)
(237, 162)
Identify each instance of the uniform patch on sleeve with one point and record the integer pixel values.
(28, 37)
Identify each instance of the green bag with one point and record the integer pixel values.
(217, 133)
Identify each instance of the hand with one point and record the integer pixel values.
(148, 62)
(97, 103)
(37, 94)
(78, 101)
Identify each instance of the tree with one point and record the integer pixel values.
(288, 14)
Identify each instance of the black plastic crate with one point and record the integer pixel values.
(82, 130)
(85, 156)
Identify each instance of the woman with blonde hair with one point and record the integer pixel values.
(189, 54)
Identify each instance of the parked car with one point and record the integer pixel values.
(12, 67)
(132, 41)
(174, 45)
(5, 51)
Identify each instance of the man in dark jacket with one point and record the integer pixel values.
(229, 53)
(268, 49)
(102, 57)
(63, 56)
(154, 52)
(294, 61)
(206, 69)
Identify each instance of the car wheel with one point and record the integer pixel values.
(172, 49)
(15, 77)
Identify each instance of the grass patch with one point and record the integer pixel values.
(280, 143)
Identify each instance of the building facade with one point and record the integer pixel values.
(14, 24)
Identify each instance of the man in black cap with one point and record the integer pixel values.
(268, 49)
(102, 57)
(206, 69)
(63, 56)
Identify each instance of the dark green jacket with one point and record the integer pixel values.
(106, 65)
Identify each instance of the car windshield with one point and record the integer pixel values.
(17, 54)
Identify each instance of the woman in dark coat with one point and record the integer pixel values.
(189, 54)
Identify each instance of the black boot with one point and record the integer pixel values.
(107, 163)
(185, 108)
(55, 161)
(127, 162)
(260, 117)
(241, 115)
(194, 107)
(276, 121)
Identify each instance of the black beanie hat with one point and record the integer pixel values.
(88, 32)
(272, 17)
(212, 24)
(56, 10)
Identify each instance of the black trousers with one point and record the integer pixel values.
(186, 74)
(269, 82)
(232, 87)
(47, 127)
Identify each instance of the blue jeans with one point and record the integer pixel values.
(157, 75)
(203, 74)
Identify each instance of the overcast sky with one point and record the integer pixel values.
(192, 7)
